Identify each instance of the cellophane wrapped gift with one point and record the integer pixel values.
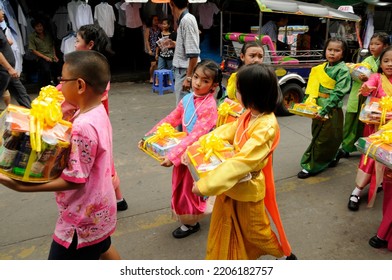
(376, 110)
(305, 109)
(377, 146)
(228, 111)
(359, 69)
(206, 154)
(159, 144)
(34, 142)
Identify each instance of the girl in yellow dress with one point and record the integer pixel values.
(251, 53)
(240, 226)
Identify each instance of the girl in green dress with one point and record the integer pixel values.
(353, 128)
(328, 84)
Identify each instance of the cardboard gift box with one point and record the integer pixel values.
(375, 110)
(206, 154)
(159, 144)
(229, 111)
(376, 149)
(19, 157)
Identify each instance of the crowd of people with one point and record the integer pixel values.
(243, 186)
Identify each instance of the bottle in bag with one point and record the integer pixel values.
(23, 155)
(9, 148)
(49, 148)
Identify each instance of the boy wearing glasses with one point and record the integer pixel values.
(84, 191)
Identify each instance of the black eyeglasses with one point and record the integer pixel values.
(62, 81)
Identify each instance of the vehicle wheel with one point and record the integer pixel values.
(292, 93)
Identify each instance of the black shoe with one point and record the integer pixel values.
(352, 205)
(334, 162)
(342, 154)
(291, 257)
(378, 243)
(380, 189)
(303, 175)
(179, 233)
(122, 205)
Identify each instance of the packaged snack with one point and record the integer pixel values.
(376, 110)
(307, 109)
(359, 72)
(158, 144)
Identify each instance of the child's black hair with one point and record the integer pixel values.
(246, 46)
(168, 22)
(213, 67)
(91, 66)
(382, 37)
(382, 56)
(259, 89)
(95, 33)
(338, 40)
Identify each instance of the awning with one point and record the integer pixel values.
(303, 8)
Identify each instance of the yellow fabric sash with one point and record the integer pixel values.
(318, 77)
(386, 85)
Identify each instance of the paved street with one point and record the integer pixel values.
(314, 211)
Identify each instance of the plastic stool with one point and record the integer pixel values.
(163, 77)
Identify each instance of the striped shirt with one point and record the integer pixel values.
(187, 44)
(270, 29)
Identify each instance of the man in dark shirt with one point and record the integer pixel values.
(9, 77)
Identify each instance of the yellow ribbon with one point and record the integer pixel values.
(165, 130)
(386, 106)
(224, 110)
(45, 113)
(212, 145)
(384, 137)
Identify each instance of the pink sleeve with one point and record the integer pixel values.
(374, 81)
(206, 121)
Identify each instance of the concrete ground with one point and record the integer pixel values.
(314, 211)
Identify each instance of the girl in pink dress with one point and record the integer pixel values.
(197, 112)
(378, 85)
(383, 85)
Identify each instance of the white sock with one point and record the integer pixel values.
(357, 192)
(119, 200)
(305, 171)
(185, 228)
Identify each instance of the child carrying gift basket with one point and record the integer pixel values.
(379, 85)
(197, 113)
(240, 226)
(328, 84)
(84, 191)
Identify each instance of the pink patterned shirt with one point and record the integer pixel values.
(90, 211)
(206, 112)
